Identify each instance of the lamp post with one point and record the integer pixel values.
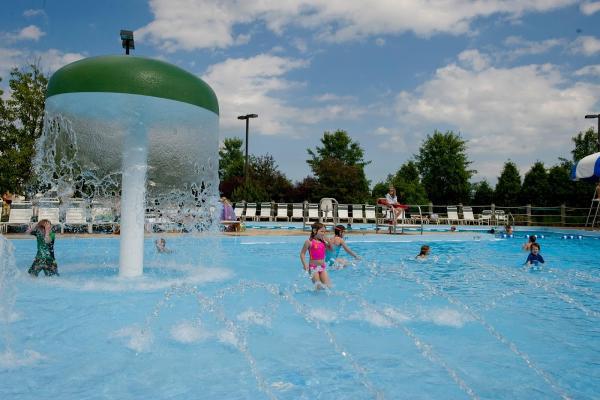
(597, 116)
(247, 118)
(127, 40)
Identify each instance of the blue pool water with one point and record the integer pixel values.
(237, 318)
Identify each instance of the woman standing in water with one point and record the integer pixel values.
(44, 258)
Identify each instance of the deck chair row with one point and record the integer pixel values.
(308, 212)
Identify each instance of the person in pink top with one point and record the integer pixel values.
(316, 245)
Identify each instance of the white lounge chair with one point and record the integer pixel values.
(264, 212)
(485, 217)
(282, 212)
(20, 214)
(48, 209)
(76, 215)
(501, 217)
(313, 212)
(370, 213)
(452, 215)
(102, 215)
(357, 213)
(239, 211)
(342, 213)
(250, 212)
(297, 212)
(468, 216)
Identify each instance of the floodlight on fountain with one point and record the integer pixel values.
(127, 40)
(140, 119)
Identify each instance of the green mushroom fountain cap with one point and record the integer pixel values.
(134, 75)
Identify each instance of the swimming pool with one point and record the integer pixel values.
(236, 318)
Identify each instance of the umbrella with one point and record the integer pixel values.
(587, 169)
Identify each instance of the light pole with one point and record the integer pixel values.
(247, 118)
(597, 116)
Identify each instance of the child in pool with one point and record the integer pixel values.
(161, 246)
(44, 259)
(316, 246)
(534, 258)
(527, 245)
(424, 252)
(335, 244)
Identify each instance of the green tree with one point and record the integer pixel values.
(508, 187)
(483, 194)
(340, 146)
(338, 167)
(265, 174)
(231, 159)
(22, 121)
(561, 184)
(443, 164)
(586, 143)
(535, 187)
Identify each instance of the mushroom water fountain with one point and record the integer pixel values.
(139, 128)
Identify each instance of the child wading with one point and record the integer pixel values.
(44, 258)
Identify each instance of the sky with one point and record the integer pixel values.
(514, 78)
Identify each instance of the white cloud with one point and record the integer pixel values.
(380, 42)
(521, 47)
(30, 32)
(589, 70)
(34, 13)
(586, 45)
(526, 112)
(590, 7)
(48, 61)
(258, 85)
(195, 24)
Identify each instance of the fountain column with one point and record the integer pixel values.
(133, 195)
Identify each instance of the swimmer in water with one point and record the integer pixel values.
(534, 258)
(316, 245)
(161, 246)
(336, 243)
(424, 252)
(527, 245)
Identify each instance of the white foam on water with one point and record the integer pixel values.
(228, 337)
(11, 360)
(446, 317)
(282, 386)
(396, 315)
(188, 332)
(255, 318)
(323, 314)
(375, 319)
(137, 339)
(115, 283)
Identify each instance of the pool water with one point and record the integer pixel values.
(237, 318)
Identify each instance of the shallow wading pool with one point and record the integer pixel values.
(237, 318)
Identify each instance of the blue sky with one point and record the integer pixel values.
(514, 78)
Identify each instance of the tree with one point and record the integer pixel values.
(508, 186)
(338, 167)
(561, 184)
(535, 187)
(443, 164)
(22, 121)
(585, 144)
(483, 193)
(265, 174)
(338, 145)
(231, 159)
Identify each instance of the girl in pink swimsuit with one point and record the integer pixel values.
(316, 246)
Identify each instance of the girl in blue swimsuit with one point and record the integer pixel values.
(333, 251)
